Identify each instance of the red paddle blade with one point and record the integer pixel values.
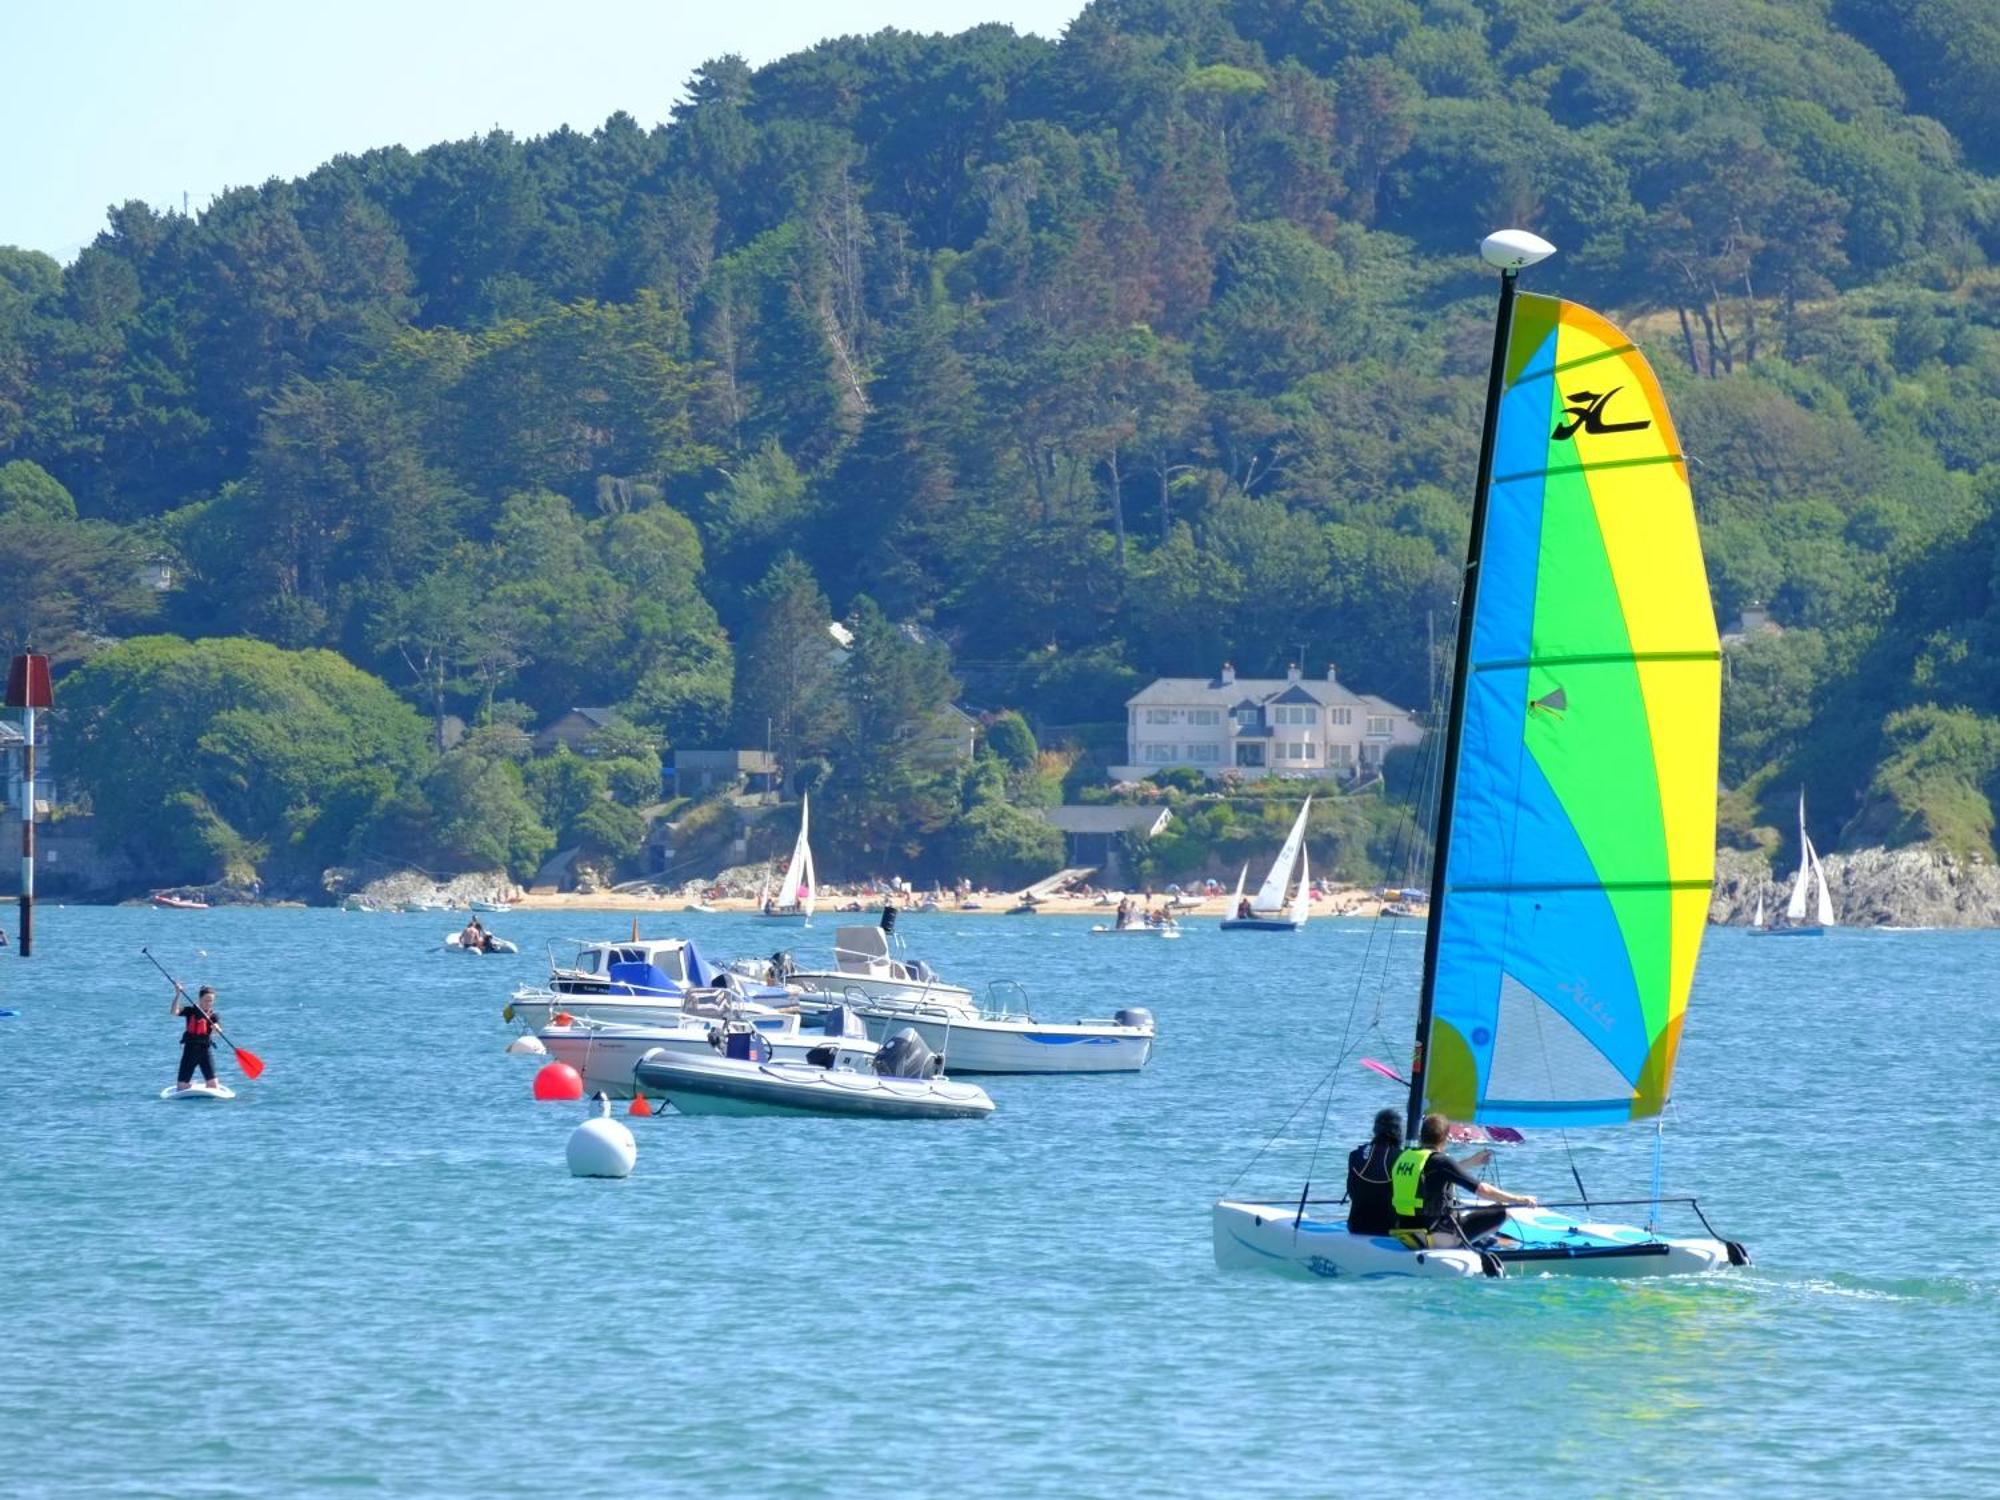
(251, 1064)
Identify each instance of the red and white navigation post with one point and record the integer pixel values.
(28, 690)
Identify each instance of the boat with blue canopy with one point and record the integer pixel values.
(1575, 842)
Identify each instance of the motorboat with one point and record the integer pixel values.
(489, 906)
(607, 1053)
(178, 903)
(1138, 927)
(454, 943)
(644, 981)
(901, 1082)
(865, 969)
(1004, 1037)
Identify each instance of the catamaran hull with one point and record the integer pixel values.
(1260, 924)
(1788, 932)
(1272, 1237)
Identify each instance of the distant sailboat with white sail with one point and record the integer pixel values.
(1809, 890)
(798, 892)
(1269, 910)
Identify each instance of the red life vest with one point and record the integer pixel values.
(197, 1023)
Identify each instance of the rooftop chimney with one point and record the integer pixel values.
(1330, 670)
(1292, 672)
(1228, 673)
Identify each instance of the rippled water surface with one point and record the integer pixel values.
(373, 1272)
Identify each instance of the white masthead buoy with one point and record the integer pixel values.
(601, 1146)
(527, 1046)
(1513, 249)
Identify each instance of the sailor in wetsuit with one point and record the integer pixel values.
(198, 1023)
(1369, 1209)
(1420, 1185)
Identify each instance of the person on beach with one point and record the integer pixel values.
(1369, 1207)
(1420, 1189)
(198, 1024)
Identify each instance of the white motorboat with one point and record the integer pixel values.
(489, 906)
(1004, 1038)
(1138, 927)
(646, 981)
(453, 944)
(797, 892)
(900, 1084)
(866, 970)
(1574, 844)
(606, 1053)
(1269, 911)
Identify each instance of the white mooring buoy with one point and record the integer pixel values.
(526, 1046)
(601, 1146)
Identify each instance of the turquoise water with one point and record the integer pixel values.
(373, 1272)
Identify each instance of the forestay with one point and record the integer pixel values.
(1582, 843)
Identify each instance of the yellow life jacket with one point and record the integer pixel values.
(1406, 1183)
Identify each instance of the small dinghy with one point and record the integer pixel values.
(198, 1091)
(903, 1084)
(493, 945)
(1166, 929)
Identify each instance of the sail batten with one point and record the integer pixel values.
(1582, 844)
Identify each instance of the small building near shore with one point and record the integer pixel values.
(1092, 834)
(576, 731)
(698, 772)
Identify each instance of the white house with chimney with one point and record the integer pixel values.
(1261, 726)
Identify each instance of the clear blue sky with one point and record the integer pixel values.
(108, 100)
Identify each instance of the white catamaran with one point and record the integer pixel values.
(1269, 909)
(798, 892)
(1575, 839)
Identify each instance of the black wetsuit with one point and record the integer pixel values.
(1370, 1209)
(197, 1043)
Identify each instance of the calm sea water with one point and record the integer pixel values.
(372, 1271)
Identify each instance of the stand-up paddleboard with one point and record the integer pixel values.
(198, 1091)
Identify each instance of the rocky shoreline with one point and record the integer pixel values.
(1916, 887)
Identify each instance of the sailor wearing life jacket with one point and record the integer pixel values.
(198, 1024)
(1420, 1186)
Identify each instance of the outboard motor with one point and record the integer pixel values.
(904, 1055)
(747, 1046)
(1136, 1015)
(888, 916)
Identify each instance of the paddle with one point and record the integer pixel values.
(251, 1064)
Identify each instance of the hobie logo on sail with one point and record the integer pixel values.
(1586, 411)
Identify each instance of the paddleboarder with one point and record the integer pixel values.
(198, 1024)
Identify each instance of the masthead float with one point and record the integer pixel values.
(1575, 841)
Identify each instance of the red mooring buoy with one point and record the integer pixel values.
(639, 1106)
(558, 1080)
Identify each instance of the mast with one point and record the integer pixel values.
(1510, 250)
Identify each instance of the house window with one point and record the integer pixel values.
(1159, 716)
(1160, 755)
(1343, 716)
(1246, 718)
(1381, 724)
(1340, 755)
(1297, 713)
(1298, 750)
(1204, 754)
(1206, 716)
(1250, 755)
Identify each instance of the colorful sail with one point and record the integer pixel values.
(1582, 845)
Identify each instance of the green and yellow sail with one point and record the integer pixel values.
(1582, 843)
